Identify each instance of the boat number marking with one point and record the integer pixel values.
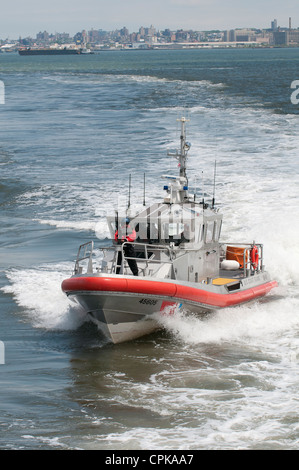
(148, 301)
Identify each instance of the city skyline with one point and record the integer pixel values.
(27, 18)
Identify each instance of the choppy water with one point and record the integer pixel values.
(72, 129)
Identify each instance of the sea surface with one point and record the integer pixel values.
(72, 130)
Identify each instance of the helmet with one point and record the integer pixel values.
(125, 221)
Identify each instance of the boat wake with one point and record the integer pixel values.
(260, 321)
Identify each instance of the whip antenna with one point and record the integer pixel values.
(203, 191)
(129, 200)
(213, 200)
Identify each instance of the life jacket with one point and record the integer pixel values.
(130, 235)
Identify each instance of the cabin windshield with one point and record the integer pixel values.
(175, 231)
(160, 227)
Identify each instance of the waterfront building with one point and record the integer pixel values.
(286, 38)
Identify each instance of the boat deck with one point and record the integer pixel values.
(221, 281)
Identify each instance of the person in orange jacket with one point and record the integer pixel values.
(126, 233)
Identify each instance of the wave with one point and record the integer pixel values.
(37, 291)
(99, 79)
(69, 224)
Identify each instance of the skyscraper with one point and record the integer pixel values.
(274, 25)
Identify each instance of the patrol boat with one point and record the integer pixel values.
(181, 264)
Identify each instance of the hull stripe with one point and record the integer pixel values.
(164, 289)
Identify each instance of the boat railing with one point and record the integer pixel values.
(149, 251)
(84, 253)
(146, 256)
(242, 252)
(149, 255)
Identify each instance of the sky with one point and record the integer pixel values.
(28, 17)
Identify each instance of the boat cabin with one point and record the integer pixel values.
(184, 236)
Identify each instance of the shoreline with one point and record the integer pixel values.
(174, 47)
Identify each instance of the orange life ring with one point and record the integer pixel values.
(254, 257)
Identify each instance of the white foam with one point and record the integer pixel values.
(106, 79)
(252, 323)
(69, 224)
(38, 292)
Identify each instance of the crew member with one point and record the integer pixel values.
(126, 234)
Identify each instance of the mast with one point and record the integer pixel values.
(178, 189)
(184, 148)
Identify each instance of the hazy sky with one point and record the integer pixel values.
(28, 17)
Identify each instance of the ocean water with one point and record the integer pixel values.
(72, 130)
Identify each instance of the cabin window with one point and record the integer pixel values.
(175, 231)
(210, 232)
(217, 231)
(172, 230)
